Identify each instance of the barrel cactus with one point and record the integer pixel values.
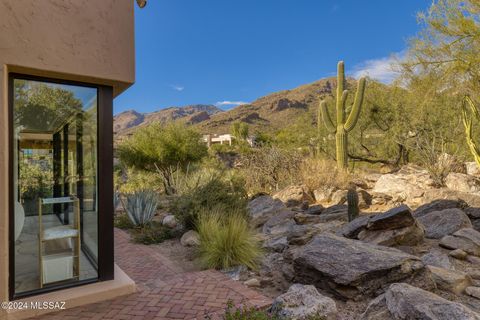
(344, 123)
(352, 203)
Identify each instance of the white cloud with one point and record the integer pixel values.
(229, 103)
(178, 88)
(382, 69)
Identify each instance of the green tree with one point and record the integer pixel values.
(240, 130)
(163, 149)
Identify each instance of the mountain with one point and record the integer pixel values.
(276, 110)
(269, 113)
(126, 121)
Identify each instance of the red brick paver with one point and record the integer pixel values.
(163, 292)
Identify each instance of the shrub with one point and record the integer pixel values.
(206, 189)
(162, 148)
(226, 240)
(141, 206)
(138, 180)
(269, 169)
(318, 173)
(153, 233)
(122, 221)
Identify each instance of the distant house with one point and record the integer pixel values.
(211, 139)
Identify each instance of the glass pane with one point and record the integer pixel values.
(55, 184)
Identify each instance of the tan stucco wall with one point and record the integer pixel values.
(85, 40)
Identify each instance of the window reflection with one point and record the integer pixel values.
(55, 184)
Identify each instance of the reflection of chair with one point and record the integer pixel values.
(59, 247)
(19, 219)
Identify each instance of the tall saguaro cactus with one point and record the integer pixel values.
(345, 123)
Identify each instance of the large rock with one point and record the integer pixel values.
(466, 239)
(472, 199)
(439, 205)
(472, 168)
(293, 195)
(462, 182)
(263, 208)
(438, 259)
(304, 302)
(190, 239)
(354, 227)
(395, 218)
(323, 195)
(438, 224)
(453, 281)
(352, 269)
(339, 197)
(409, 183)
(281, 223)
(403, 301)
(406, 236)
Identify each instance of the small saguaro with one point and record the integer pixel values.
(345, 123)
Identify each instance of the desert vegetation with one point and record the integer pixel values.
(393, 182)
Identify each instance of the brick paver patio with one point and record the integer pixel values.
(163, 292)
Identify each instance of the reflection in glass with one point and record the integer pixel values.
(55, 184)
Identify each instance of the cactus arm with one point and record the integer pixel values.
(340, 92)
(357, 106)
(326, 117)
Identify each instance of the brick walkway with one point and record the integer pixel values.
(163, 292)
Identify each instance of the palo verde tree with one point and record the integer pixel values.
(163, 149)
(344, 124)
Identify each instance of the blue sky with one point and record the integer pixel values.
(215, 51)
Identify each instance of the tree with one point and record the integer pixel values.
(163, 149)
(240, 130)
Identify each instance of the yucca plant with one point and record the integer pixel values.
(141, 206)
(226, 240)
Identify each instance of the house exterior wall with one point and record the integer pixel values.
(83, 40)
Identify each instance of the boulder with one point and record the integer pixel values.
(379, 198)
(263, 208)
(253, 282)
(354, 227)
(170, 221)
(472, 212)
(438, 259)
(323, 195)
(302, 234)
(403, 301)
(276, 244)
(339, 197)
(438, 224)
(352, 269)
(473, 292)
(364, 199)
(406, 236)
(462, 182)
(293, 195)
(472, 199)
(305, 218)
(315, 209)
(335, 212)
(304, 302)
(458, 254)
(466, 239)
(395, 218)
(453, 281)
(190, 239)
(439, 205)
(281, 223)
(472, 168)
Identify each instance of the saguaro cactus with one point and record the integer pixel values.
(352, 201)
(344, 124)
(467, 122)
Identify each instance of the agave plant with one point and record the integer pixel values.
(141, 206)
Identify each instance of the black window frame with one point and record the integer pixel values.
(104, 184)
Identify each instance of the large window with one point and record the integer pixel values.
(55, 181)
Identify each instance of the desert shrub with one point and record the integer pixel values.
(226, 239)
(153, 233)
(162, 149)
(318, 173)
(122, 221)
(205, 189)
(269, 169)
(138, 180)
(141, 206)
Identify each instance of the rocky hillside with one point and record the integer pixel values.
(129, 120)
(275, 110)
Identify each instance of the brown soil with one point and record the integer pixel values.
(183, 258)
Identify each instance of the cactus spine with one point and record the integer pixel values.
(345, 123)
(352, 201)
(467, 122)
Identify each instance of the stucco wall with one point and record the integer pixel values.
(85, 40)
